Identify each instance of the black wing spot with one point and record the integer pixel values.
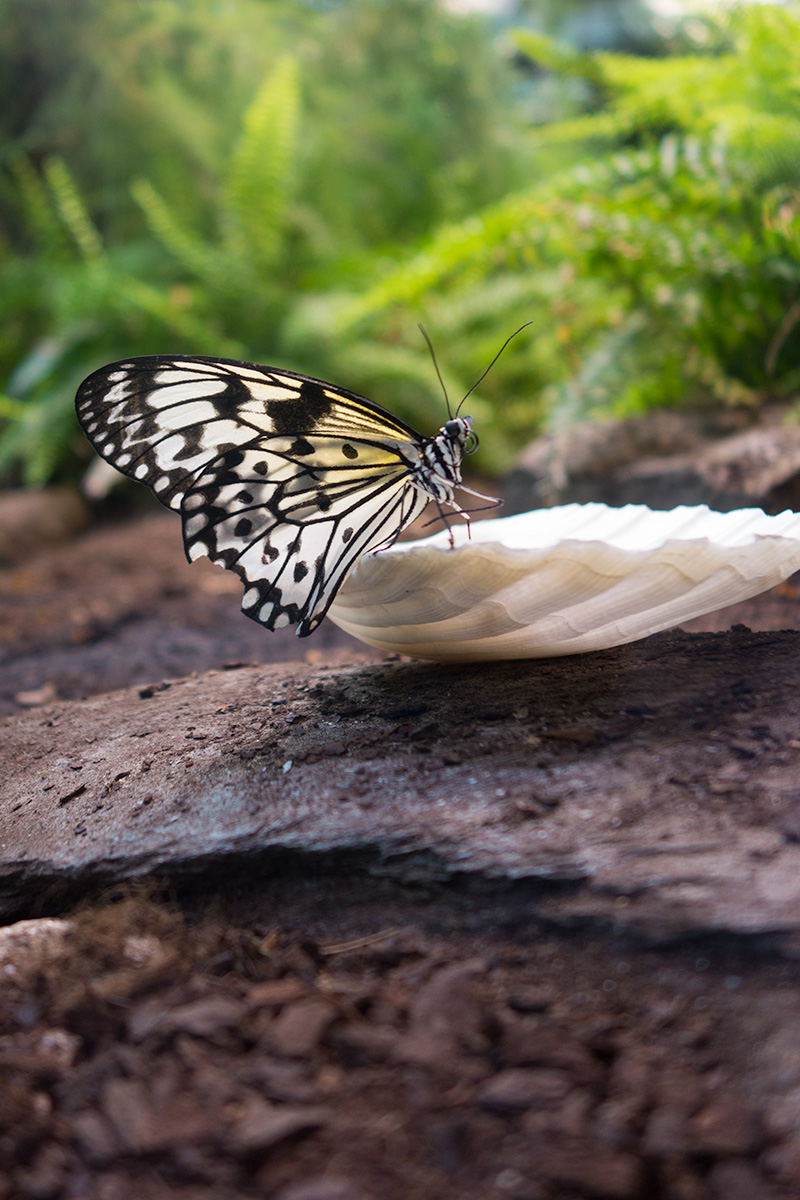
(347, 534)
(323, 502)
(245, 497)
(260, 468)
(300, 571)
(270, 554)
(187, 450)
(349, 451)
(236, 395)
(306, 412)
(301, 447)
(243, 527)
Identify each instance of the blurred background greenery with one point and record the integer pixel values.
(300, 182)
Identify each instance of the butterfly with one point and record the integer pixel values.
(284, 479)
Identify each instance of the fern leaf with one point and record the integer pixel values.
(40, 214)
(261, 169)
(602, 126)
(557, 56)
(183, 243)
(72, 210)
(194, 331)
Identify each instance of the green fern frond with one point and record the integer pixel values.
(629, 203)
(72, 210)
(193, 331)
(598, 377)
(658, 80)
(594, 127)
(490, 303)
(39, 435)
(260, 174)
(186, 246)
(190, 123)
(470, 241)
(519, 223)
(46, 449)
(557, 56)
(40, 214)
(765, 145)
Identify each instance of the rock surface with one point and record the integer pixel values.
(653, 788)
(727, 459)
(31, 520)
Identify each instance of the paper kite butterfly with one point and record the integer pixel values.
(284, 479)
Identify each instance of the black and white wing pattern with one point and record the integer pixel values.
(282, 478)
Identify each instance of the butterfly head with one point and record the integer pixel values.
(459, 432)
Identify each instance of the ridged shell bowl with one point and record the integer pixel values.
(562, 580)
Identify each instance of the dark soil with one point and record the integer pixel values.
(310, 1027)
(120, 606)
(145, 1056)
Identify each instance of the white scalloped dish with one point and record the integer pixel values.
(562, 580)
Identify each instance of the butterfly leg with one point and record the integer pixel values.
(461, 512)
(445, 519)
(446, 523)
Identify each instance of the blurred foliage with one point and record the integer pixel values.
(662, 267)
(300, 183)
(182, 175)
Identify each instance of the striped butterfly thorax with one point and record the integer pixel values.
(284, 479)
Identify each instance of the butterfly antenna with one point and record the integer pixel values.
(491, 364)
(429, 343)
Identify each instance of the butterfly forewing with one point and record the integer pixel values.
(279, 477)
(162, 420)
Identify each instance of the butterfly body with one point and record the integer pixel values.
(282, 478)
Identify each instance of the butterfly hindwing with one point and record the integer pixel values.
(291, 529)
(279, 477)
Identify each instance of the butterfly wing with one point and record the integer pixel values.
(279, 477)
(291, 528)
(163, 419)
